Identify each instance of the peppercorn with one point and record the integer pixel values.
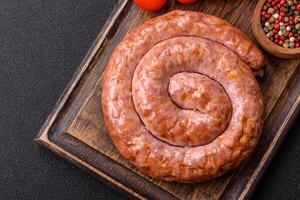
(265, 8)
(292, 39)
(294, 31)
(286, 45)
(276, 15)
(270, 34)
(266, 30)
(290, 3)
(267, 23)
(286, 19)
(280, 42)
(272, 20)
(271, 11)
(270, 27)
(292, 45)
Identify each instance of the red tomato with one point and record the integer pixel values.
(150, 5)
(187, 1)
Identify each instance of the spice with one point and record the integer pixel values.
(280, 21)
(292, 45)
(276, 15)
(271, 11)
(292, 39)
(286, 19)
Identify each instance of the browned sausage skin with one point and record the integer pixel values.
(179, 99)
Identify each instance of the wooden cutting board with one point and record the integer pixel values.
(76, 131)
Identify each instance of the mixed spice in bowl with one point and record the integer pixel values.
(280, 20)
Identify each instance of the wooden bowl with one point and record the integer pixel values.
(263, 40)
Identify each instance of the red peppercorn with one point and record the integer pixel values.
(282, 13)
(297, 45)
(276, 7)
(298, 7)
(280, 42)
(291, 34)
(276, 26)
(273, 3)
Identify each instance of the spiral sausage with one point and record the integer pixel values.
(179, 98)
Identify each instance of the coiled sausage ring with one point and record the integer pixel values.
(179, 98)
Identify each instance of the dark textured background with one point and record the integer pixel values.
(41, 44)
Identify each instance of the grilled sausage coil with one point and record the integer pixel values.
(179, 98)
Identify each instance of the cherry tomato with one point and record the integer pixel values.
(187, 1)
(150, 5)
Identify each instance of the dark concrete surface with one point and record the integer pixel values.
(41, 44)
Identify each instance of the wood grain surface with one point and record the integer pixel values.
(75, 128)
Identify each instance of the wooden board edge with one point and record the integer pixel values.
(44, 141)
(271, 150)
(111, 21)
(42, 136)
(108, 166)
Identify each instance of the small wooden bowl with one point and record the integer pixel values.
(262, 39)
